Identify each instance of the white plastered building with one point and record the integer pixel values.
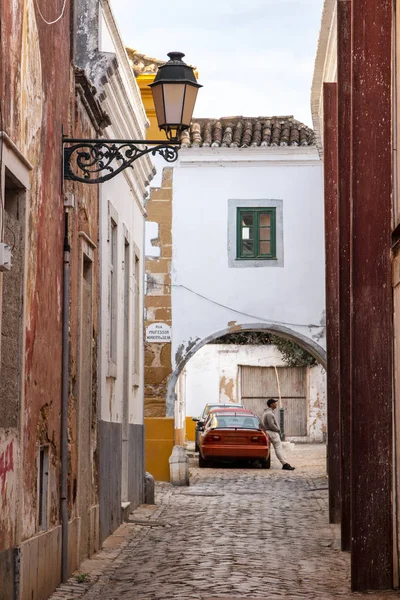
(241, 183)
(122, 220)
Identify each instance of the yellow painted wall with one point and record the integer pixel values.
(159, 431)
(152, 133)
(190, 429)
(159, 436)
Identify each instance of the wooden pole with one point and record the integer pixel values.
(371, 297)
(344, 192)
(332, 294)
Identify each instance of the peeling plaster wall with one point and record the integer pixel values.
(207, 295)
(9, 450)
(35, 76)
(35, 93)
(213, 375)
(158, 366)
(317, 403)
(83, 480)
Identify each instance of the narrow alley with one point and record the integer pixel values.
(199, 260)
(233, 533)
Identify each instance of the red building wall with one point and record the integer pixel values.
(38, 101)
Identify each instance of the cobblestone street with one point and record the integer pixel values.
(234, 533)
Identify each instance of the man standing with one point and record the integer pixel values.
(273, 432)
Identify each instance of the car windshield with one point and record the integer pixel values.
(241, 421)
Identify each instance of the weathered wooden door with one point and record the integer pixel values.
(260, 383)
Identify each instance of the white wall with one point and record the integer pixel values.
(130, 219)
(325, 69)
(212, 375)
(208, 296)
(123, 196)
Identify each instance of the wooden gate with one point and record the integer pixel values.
(260, 383)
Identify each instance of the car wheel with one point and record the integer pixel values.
(202, 462)
(266, 463)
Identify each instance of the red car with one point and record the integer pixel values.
(233, 434)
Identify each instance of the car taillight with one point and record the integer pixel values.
(212, 437)
(258, 439)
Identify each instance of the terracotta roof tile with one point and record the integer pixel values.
(242, 132)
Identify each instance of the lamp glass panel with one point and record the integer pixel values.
(159, 104)
(190, 101)
(173, 98)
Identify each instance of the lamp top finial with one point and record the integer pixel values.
(176, 55)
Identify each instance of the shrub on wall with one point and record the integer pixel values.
(292, 354)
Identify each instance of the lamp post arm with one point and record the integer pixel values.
(98, 160)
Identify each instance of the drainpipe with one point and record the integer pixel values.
(64, 403)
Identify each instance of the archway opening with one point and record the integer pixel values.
(248, 365)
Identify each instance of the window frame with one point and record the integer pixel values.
(113, 276)
(256, 212)
(137, 319)
(113, 267)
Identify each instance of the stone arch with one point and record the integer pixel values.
(285, 332)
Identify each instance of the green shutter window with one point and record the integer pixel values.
(256, 233)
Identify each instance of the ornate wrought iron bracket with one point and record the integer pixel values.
(96, 161)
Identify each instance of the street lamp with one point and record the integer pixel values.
(174, 92)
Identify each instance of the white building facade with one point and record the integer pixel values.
(122, 221)
(248, 237)
(235, 242)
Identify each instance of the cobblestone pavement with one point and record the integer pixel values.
(235, 533)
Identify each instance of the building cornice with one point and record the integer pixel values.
(249, 157)
(123, 60)
(325, 69)
(87, 93)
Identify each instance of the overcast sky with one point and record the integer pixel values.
(254, 57)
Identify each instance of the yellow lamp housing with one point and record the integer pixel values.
(174, 93)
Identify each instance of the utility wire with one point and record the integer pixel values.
(55, 20)
(239, 312)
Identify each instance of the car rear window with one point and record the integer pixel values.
(209, 407)
(236, 420)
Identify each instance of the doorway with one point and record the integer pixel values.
(289, 383)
